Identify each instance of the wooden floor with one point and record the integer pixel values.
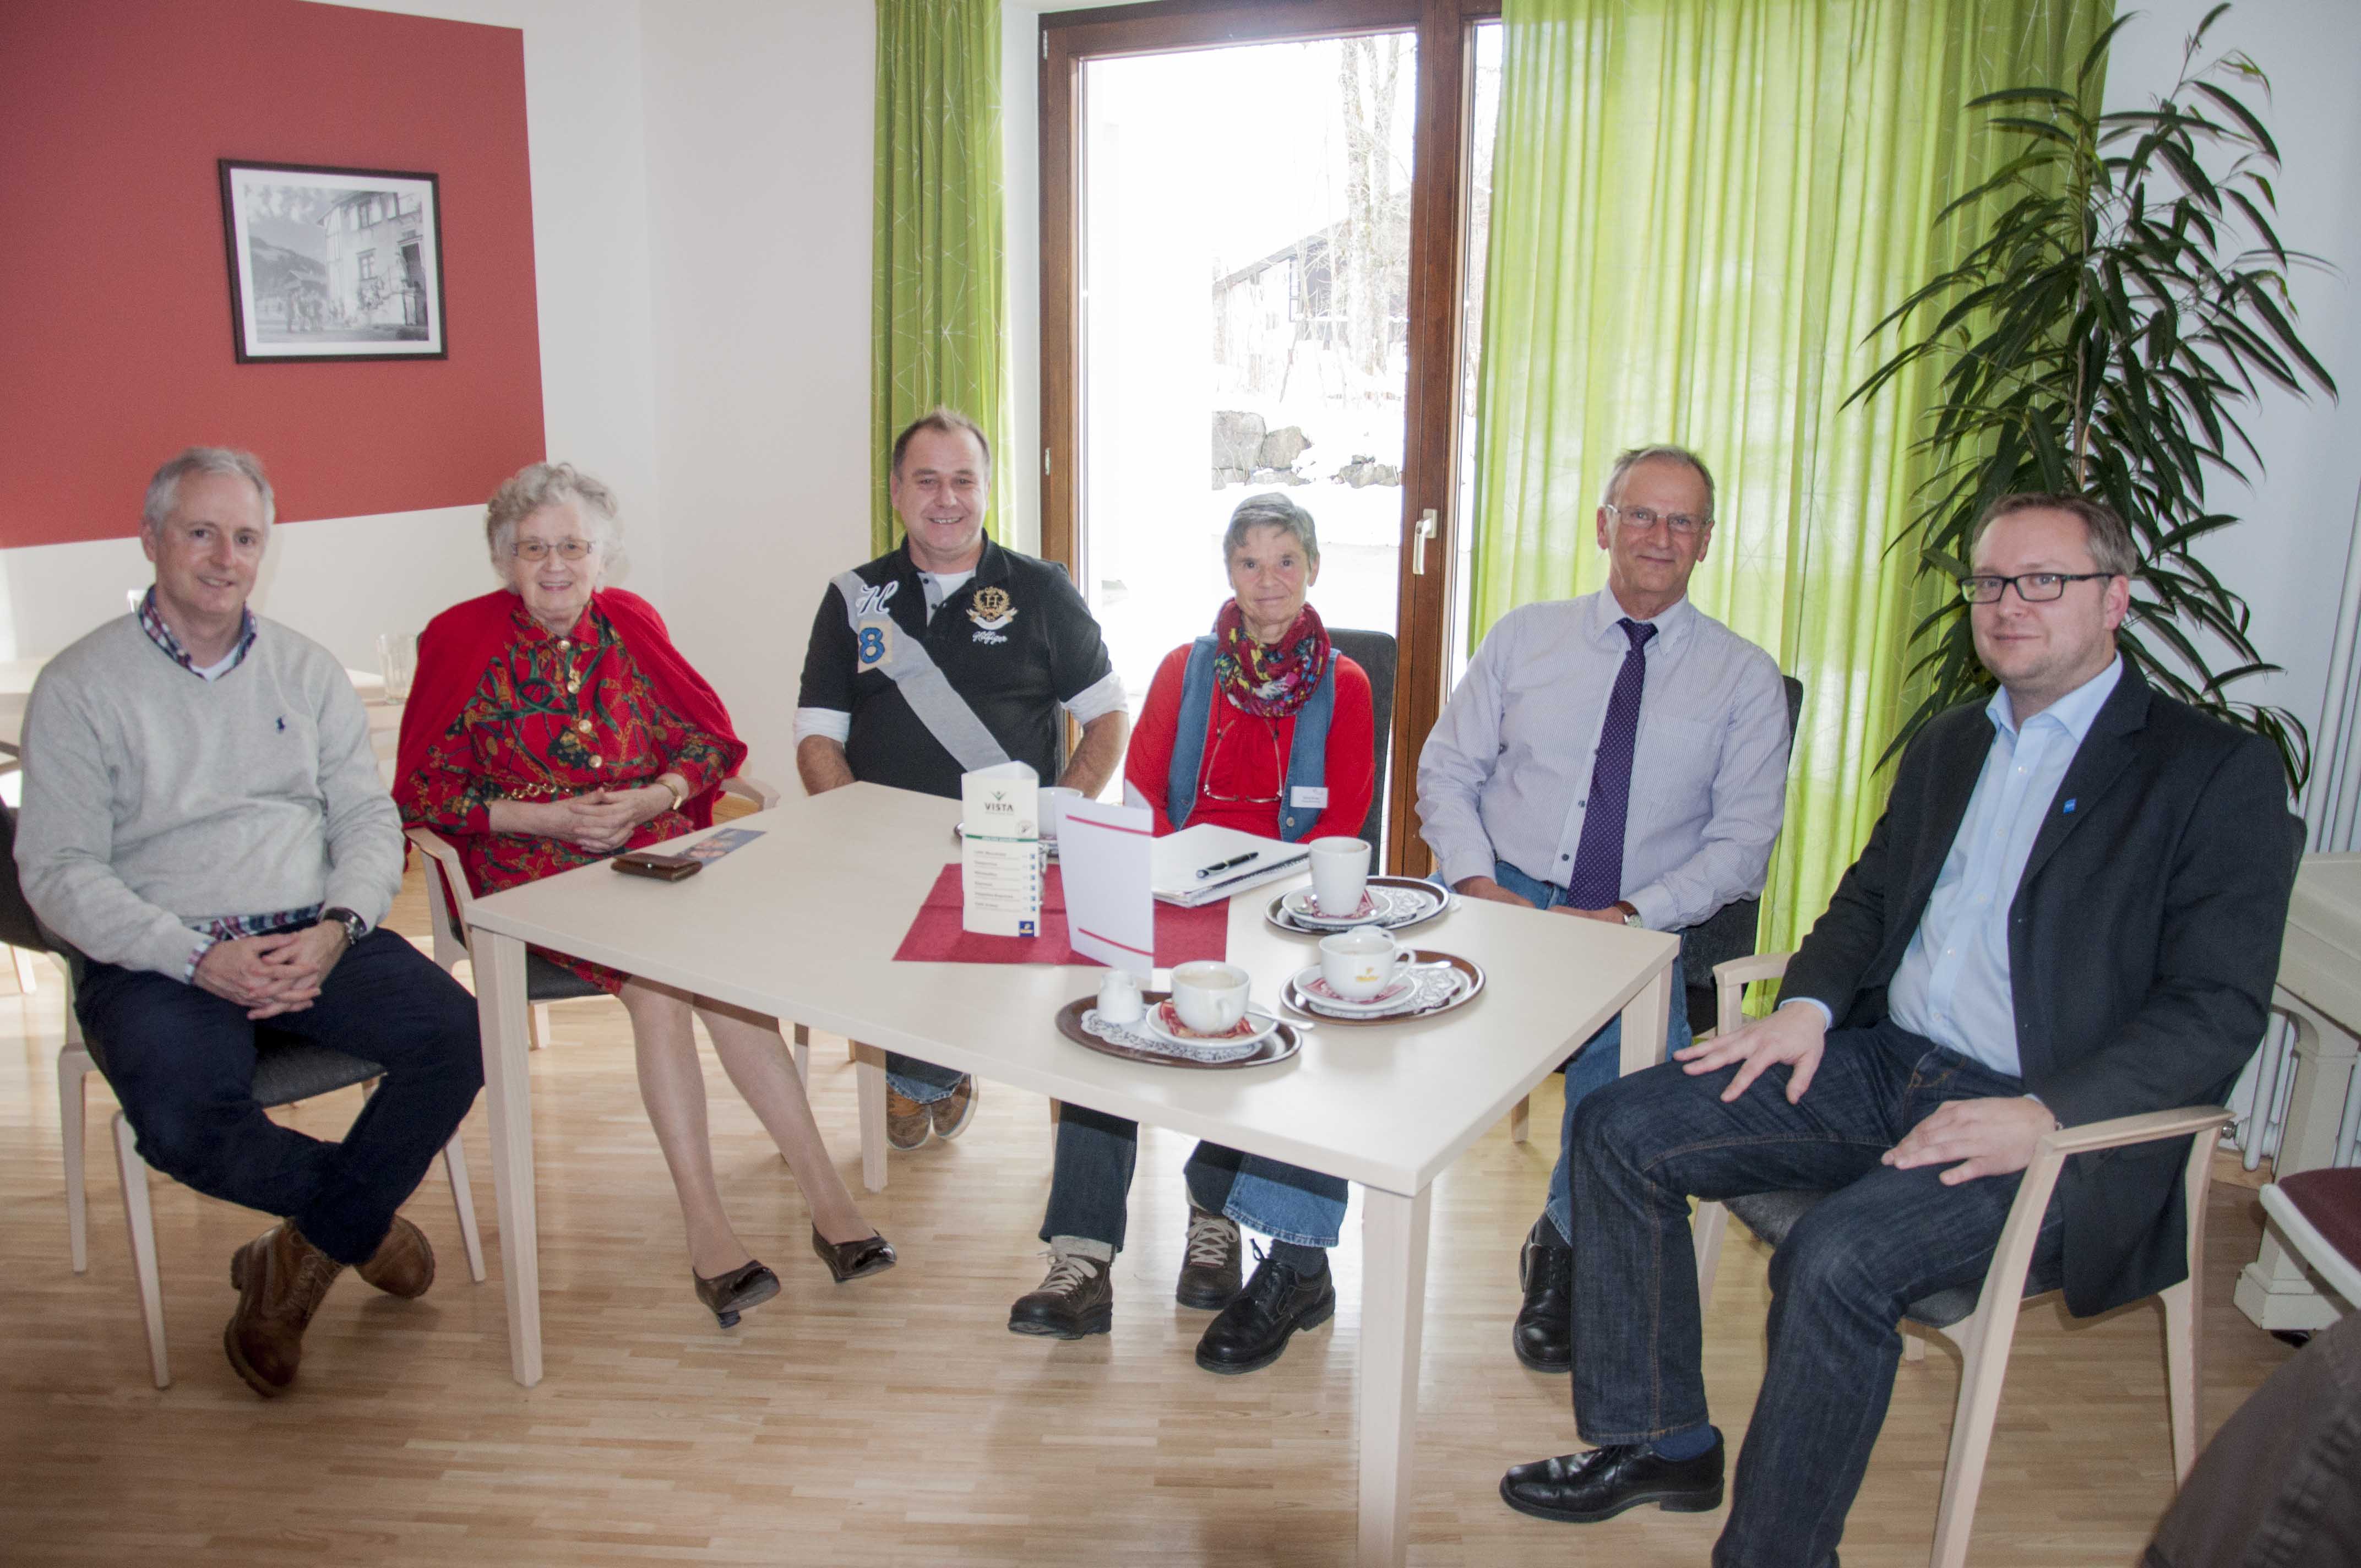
(895, 1421)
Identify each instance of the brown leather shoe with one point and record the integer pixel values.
(1209, 1264)
(1075, 1300)
(404, 1265)
(280, 1279)
(954, 1111)
(909, 1123)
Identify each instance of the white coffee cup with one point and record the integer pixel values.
(1053, 803)
(1340, 874)
(1209, 997)
(1360, 963)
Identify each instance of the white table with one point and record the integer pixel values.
(802, 923)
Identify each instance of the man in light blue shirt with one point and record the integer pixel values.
(2070, 913)
(1619, 757)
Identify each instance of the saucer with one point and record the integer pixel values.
(1401, 991)
(1244, 1036)
(1377, 906)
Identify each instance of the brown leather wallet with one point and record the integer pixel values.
(664, 868)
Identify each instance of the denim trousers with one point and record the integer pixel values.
(1090, 1181)
(181, 1062)
(1598, 1060)
(1644, 1145)
(920, 1081)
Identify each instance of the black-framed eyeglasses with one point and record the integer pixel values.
(1214, 753)
(2033, 587)
(1640, 520)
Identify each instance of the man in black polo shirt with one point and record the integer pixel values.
(947, 654)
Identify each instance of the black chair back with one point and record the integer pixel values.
(1731, 931)
(1377, 654)
(19, 928)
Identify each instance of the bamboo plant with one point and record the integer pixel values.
(2104, 335)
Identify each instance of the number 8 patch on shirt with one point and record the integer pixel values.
(872, 641)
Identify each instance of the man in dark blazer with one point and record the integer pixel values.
(2071, 910)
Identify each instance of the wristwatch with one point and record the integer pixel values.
(355, 926)
(1630, 916)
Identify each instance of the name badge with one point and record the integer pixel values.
(1309, 796)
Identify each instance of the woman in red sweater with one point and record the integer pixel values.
(1265, 728)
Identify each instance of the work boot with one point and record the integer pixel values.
(280, 1279)
(1209, 1268)
(404, 1265)
(1076, 1298)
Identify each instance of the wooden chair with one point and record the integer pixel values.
(282, 1075)
(545, 982)
(1982, 1321)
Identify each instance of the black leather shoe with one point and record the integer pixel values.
(1209, 1264)
(1582, 1488)
(1077, 1298)
(1543, 1335)
(726, 1295)
(1254, 1328)
(850, 1260)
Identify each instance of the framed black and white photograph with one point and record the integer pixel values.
(332, 263)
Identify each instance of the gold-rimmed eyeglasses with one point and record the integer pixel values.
(539, 549)
(1640, 520)
(1212, 758)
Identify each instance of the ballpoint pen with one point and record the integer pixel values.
(1226, 865)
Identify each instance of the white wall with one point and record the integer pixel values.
(2289, 557)
(344, 580)
(759, 157)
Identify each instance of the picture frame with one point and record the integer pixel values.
(333, 264)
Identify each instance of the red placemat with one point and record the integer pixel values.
(1182, 936)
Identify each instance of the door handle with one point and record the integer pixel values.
(1418, 538)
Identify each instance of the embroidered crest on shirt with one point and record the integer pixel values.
(991, 610)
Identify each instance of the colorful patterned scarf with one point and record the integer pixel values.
(1273, 681)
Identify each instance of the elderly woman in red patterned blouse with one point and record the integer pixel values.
(552, 724)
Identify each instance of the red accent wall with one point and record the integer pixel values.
(115, 347)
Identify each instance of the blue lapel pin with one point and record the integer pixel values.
(2068, 807)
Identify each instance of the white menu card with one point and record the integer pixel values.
(1000, 850)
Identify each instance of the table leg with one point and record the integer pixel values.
(1645, 1018)
(1394, 1318)
(869, 1078)
(500, 1012)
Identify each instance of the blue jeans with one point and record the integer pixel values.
(1598, 1060)
(920, 1081)
(182, 1060)
(1090, 1181)
(1644, 1145)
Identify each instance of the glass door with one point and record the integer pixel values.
(1253, 266)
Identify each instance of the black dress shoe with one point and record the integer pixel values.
(1582, 1488)
(726, 1295)
(1254, 1328)
(850, 1260)
(1543, 1335)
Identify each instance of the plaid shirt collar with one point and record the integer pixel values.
(161, 635)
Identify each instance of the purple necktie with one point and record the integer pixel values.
(1598, 879)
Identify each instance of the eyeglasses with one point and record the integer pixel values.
(2033, 587)
(1640, 520)
(1212, 758)
(539, 549)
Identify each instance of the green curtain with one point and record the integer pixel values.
(940, 297)
(1701, 209)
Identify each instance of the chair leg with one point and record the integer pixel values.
(463, 1198)
(141, 1221)
(2180, 1384)
(869, 1078)
(1520, 1121)
(1914, 1346)
(1706, 1229)
(803, 1053)
(536, 1023)
(1056, 1112)
(1983, 1340)
(28, 978)
(73, 1074)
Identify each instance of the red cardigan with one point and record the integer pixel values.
(1244, 767)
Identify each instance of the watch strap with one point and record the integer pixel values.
(355, 926)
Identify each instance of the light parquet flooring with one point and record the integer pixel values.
(895, 1421)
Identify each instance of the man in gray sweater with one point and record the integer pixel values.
(205, 822)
